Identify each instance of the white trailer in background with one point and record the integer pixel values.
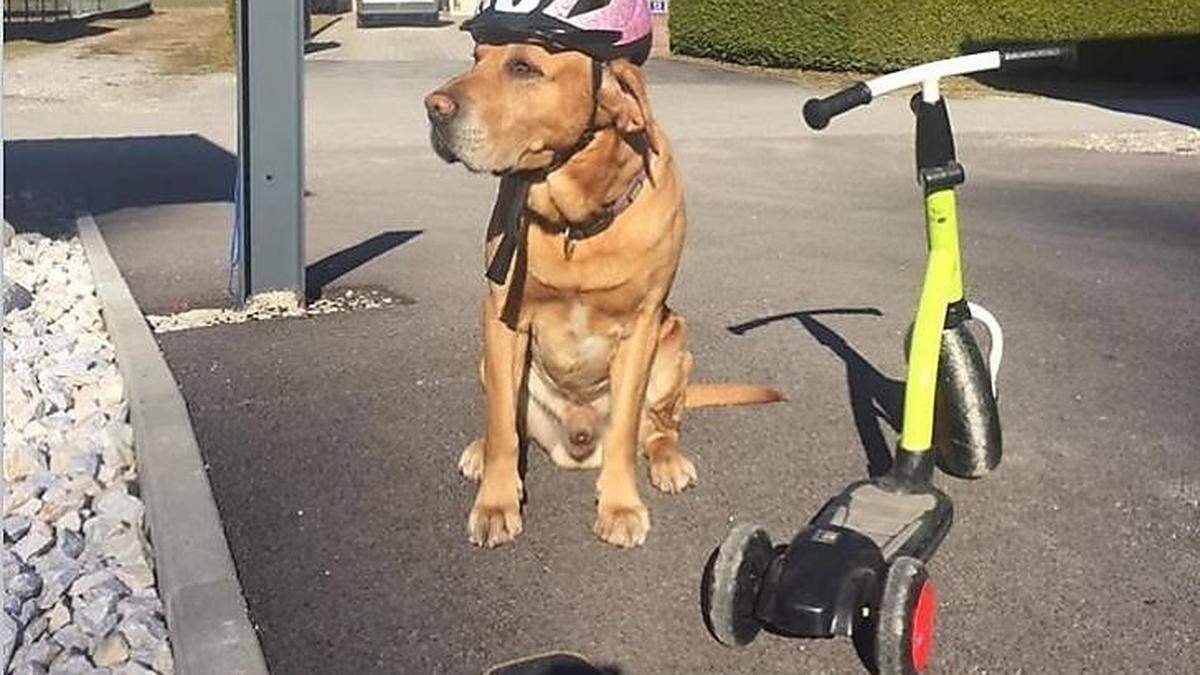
(367, 12)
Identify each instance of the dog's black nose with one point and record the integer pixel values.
(581, 437)
(441, 107)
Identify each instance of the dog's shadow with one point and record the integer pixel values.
(874, 397)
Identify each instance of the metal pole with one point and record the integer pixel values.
(3, 16)
(270, 200)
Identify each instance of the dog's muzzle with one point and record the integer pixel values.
(456, 134)
(442, 110)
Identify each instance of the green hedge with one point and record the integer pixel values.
(878, 35)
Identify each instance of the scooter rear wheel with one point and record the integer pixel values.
(905, 619)
(731, 584)
(966, 423)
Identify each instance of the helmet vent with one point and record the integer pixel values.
(585, 6)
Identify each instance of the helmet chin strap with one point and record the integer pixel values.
(508, 221)
(507, 214)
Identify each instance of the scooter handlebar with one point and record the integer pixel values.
(1052, 55)
(818, 111)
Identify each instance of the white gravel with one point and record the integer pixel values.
(1173, 142)
(80, 593)
(275, 305)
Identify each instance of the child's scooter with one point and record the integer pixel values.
(857, 569)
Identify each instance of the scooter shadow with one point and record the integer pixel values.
(874, 397)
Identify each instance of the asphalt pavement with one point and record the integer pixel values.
(331, 442)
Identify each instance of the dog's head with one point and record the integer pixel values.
(524, 107)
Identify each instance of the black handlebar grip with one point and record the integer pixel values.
(1046, 55)
(818, 111)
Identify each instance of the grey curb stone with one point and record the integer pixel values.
(206, 613)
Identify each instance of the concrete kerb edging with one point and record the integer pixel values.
(206, 613)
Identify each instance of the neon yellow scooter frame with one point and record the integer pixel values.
(943, 286)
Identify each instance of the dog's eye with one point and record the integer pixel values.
(523, 69)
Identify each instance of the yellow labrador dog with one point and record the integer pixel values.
(586, 361)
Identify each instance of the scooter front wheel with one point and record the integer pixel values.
(905, 620)
(729, 592)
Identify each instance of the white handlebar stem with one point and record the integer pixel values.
(931, 72)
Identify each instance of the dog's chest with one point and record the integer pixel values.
(574, 345)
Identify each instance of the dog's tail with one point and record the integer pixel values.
(706, 395)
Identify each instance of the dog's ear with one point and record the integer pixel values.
(623, 97)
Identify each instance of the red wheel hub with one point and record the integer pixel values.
(922, 626)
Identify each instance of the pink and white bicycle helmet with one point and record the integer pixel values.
(602, 29)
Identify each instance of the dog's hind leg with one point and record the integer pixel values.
(670, 471)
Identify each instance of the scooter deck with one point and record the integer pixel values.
(900, 523)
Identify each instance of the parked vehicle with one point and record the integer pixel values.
(372, 12)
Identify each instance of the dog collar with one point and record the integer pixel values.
(610, 212)
(509, 222)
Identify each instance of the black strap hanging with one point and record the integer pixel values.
(508, 222)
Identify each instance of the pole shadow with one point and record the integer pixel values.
(874, 397)
(325, 271)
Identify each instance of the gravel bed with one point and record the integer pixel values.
(80, 594)
(1174, 142)
(276, 305)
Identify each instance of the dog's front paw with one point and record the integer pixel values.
(671, 472)
(623, 525)
(470, 463)
(496, 517)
